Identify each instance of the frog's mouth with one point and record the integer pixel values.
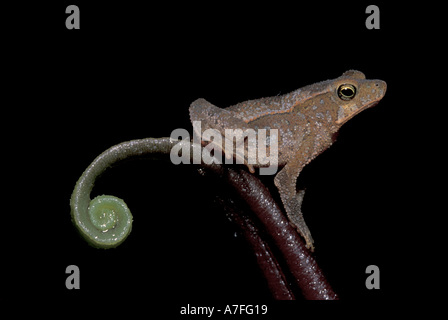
(370, 105)
(344, 116)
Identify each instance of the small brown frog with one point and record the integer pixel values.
(307, 120)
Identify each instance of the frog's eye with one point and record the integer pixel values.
(346, 92)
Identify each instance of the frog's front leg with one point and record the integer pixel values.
(212, 117)
(285, 181)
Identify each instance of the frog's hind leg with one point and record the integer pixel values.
(212, 117)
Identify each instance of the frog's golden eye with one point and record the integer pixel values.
(346, 92)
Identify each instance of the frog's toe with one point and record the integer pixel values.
(309, 246)
(250, 167)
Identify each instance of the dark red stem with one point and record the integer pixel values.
(301, 264)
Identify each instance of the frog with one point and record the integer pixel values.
(307, 121)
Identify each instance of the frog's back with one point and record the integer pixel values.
(253, 109)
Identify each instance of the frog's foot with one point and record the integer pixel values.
(309, 240)
(245, 159)
(299, 223)
(296, 219)
(239, 153)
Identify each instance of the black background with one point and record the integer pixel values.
(131, 72)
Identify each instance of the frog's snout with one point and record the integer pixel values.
(381, 87)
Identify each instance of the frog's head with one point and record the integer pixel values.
(353, 93)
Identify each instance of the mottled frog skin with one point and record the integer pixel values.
(307, 120)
